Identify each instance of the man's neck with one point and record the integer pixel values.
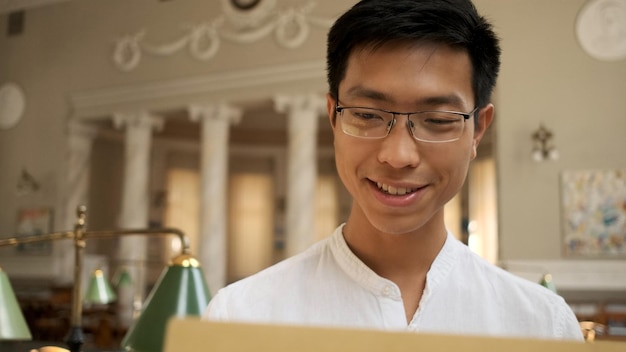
(395, 255)
(404, 259)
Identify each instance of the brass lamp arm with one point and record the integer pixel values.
(53, 236)
(80, 235)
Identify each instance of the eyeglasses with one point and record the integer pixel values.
(425, 126)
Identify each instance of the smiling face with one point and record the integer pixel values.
(399, 185)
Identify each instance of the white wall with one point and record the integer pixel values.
(547, 78)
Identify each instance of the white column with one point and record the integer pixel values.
(80, 138)
(216, 120)
(135, 203)
(303, 113)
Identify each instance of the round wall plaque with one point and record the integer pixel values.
(12, 104)
(601, 29)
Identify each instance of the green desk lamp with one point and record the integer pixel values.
(180, 291)
(546, 281)
(12, 323)
(99, 291)
(122, 278)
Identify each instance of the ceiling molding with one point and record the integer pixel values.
(290, 27)
(99, 103)
(8, 6)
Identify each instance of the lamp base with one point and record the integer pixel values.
(75, 339)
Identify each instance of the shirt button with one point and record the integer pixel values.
(387, 290)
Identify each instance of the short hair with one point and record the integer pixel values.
(373, 23)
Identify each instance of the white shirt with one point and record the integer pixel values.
(328, 285)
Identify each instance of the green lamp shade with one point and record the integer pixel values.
(546, 281)
(12, 323)
(122, 279)
(99, 291)
(180, 291)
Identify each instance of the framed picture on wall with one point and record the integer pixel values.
(34, 221)
(593, 204)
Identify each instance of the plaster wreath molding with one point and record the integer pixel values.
(291, 28)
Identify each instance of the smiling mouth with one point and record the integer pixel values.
(395, 191)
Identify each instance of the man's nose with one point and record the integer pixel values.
(399, 149)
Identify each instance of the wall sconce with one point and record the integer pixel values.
(544, 148)
(180, 291)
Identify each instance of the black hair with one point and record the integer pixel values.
(372, 23)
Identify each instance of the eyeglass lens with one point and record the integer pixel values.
(429, 126)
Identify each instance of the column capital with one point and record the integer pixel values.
(285, 103)
(220, 111)
(141, 119)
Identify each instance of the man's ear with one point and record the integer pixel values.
(483, 120)
(330, 106)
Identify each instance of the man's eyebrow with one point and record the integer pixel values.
(434, 101)
(437, 100)
(364, 92)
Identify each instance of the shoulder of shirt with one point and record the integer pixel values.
(486, 279)
(497, 274)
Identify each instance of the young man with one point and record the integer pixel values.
(410, 84)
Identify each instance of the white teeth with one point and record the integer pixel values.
(398, 191)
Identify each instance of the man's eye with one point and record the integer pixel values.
(367, 115)
(434, 121)
(438, 118)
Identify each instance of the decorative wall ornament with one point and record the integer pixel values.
(290, 26)
(12, 105)
(544, 148)
(601, 29)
